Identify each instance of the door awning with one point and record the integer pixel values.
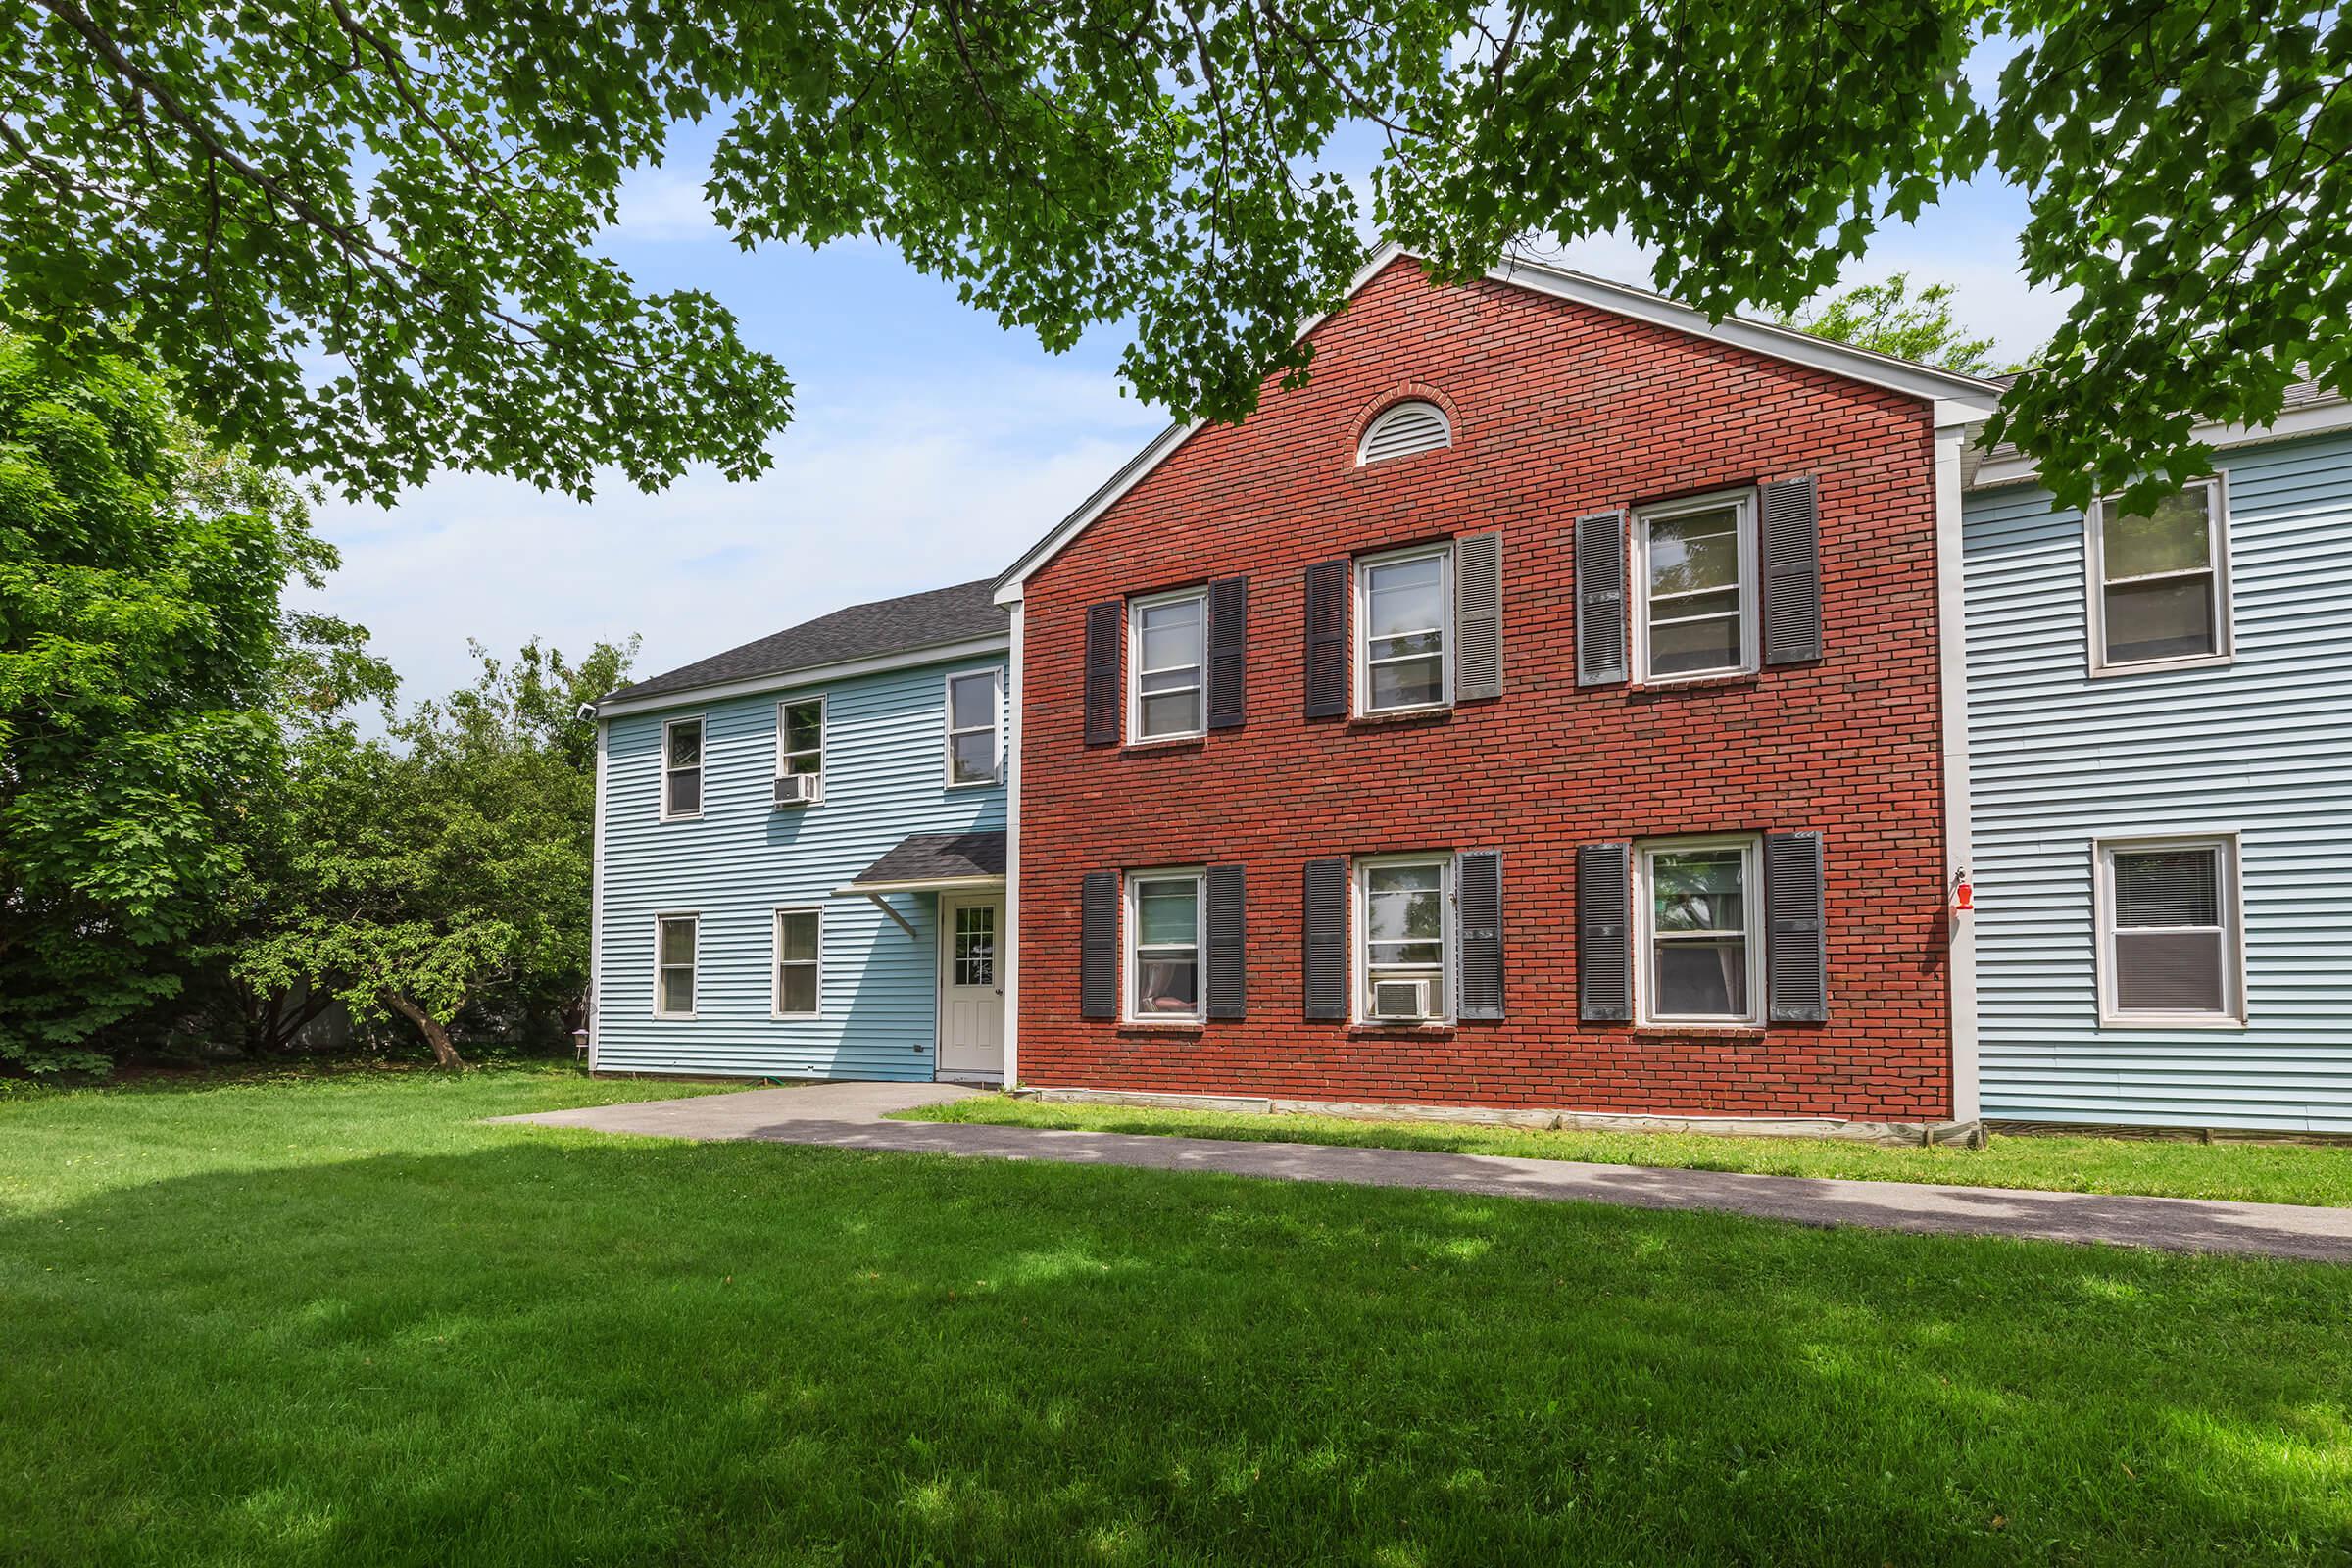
(931, 862)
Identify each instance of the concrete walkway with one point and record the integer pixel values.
(849, 1117)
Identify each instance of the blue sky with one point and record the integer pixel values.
(929, 447)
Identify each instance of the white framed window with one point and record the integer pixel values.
(1404, 939)
(2171, 932)
(800, 949)
(972, 960)
(1695, 587)
(1163, 946)
(1414, 425)
(1167, 650)
(674, 947)
(1404, 631)
(800, 741)
(1699, 914)
(2160, 581)
(681, 769)
(975, 721)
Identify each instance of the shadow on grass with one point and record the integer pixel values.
(561, 1348)
(2177, 1224)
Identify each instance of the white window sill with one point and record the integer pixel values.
(1711, 678)
(2171, 1020)
(976, 784)
(1401, 1026)
(695, 817)
(2159, 667)
(795, 1017)
(674, 1018)
(1155, 742)
(1386, 716)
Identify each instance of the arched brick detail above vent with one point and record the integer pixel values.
(1405, 392)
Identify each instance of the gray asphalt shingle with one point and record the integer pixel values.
(930, 620)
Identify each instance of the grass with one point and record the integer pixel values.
(346, 1323)
(2261, 1173)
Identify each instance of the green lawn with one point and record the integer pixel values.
(343, 1323)
(2263, 1173)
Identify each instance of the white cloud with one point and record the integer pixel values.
(663, 205)
(874, 493)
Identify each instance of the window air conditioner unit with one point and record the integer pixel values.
(1400, 998)
(797, 789)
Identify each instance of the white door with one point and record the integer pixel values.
(971, 988)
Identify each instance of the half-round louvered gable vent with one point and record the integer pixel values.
(1404, 429)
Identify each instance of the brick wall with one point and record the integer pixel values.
(1559, 409)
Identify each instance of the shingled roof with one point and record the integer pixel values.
(2299, 395)
(933, 619)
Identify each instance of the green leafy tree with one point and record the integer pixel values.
(414, 189)
(446, 866)
(141, 630)
(1888, 319)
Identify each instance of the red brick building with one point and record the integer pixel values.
(1545, 707)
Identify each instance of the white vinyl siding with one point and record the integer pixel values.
(1404, 925)
(1404, 631)
(2160, 582)
(681, 769)
(975, 727)
(1163, 946)
(677, 953)
(1694, 588)
(1168, 658)
(1699, 926)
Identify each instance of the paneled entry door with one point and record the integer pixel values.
(971, 987)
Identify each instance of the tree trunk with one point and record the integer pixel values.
(444, 1054)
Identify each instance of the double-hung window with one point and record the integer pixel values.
(1168, 636)
(2160, 580)
(1404, 631)
(1694, 577)
(800, 943)
(2168, 927)
(1404, 917)
(682, 767)
(1163, 945)
(800, 740)
(1698, 906)
(673, 965)
(972, 727)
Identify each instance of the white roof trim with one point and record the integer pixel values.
(932, 884)
(1955, 399)
(812, 675)
(2312, 419)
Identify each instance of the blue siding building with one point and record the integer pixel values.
(800, 852)
(2160, 754)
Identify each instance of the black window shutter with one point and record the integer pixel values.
(1478, 907)
(1326, 639)
(1228, 651)
(1600, 599)
(1604, 955)
(1324, 906)
(1478, 615)
(1791, 572)
(1099, 945)
(1106, 628)
(1796, 955)
(1228, 946)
